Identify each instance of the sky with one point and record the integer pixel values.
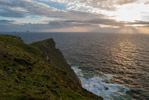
(103, 16)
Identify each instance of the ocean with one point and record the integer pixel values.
(114, 66)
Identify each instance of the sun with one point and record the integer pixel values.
(130, 12)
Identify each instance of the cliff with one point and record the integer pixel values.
(37, 72)
(53, 55)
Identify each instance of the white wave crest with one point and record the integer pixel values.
(96, 85)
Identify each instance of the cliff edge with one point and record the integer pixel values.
(37, 72)
(53, 55)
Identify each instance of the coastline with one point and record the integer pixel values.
(27, 74)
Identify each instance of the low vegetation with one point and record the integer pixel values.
(37, 72)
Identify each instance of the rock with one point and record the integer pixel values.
(106, 88)
(47, 58)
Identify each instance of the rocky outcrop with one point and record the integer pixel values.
(48, 49)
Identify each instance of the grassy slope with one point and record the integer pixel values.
(25, 73)
(48, 49)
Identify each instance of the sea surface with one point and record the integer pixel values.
(114, 66)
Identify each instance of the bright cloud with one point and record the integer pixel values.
(67, 15)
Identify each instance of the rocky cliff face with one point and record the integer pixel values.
(37, 72)
(53, 55)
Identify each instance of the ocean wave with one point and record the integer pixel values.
(96, 85)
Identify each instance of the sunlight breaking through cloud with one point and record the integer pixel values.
(87, 13)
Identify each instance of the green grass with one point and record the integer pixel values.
(26, 74)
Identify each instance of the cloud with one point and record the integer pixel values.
(146, 2)
(12, 26)
(26, 7)
(102, 4)
(72, 26)
(79, 15)
(6, 22)
(139, 22)
(6, 25)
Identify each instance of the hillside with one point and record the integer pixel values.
(37, 72)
